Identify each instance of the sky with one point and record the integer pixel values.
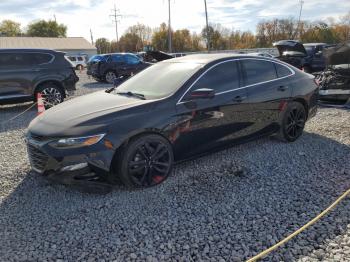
(82, 15)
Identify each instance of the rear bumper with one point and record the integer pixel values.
(334, 94)
(70, 82)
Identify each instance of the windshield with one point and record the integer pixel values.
(159, 80)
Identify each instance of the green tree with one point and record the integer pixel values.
(44, 28)
(160, 38)
(103, 46)
(130, 42)
(182, 41)
(10, 28)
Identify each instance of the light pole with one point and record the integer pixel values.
(169, 31)
(206, 18)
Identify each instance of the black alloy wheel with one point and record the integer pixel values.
(52, 95)
(293, 122)
(146, 161)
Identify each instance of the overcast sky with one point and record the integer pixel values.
(81, 15)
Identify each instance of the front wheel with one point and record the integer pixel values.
(145, 161)
(293, 122)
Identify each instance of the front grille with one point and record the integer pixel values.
(37, 158)
(37, 137)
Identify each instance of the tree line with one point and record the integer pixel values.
(217, 37)
(330, 31)
(40, 28)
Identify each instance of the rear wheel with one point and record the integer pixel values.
(293, 122)
(52, 94)
(146, 161)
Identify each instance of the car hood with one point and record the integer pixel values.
(83, 115)
(290, 47)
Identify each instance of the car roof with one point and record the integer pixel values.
(22, 50)
(208, 58)
(313, 44)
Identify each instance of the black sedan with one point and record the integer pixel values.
(173, 110)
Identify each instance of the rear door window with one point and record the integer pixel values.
(258, 71)
(72, 58)
(221, 78)
(80, 58)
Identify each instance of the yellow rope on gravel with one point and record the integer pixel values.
(310, 223)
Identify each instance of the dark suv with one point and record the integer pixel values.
(108, 67)
(25, 72)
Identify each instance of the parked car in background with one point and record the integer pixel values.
(171, 111)
(334, 81)
(78, 61)
(25, 72)
(108, 67)
(307, 57)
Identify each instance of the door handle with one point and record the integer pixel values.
(282, 88)
(239, 99)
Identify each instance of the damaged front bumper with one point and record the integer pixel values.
(48, 161)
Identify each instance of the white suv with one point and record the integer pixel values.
(78, 61)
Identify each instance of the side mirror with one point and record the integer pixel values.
(202, 93)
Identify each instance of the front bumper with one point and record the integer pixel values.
(45, 159)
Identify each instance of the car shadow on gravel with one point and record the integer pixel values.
(230, 205)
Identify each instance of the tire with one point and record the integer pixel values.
(146, 161)
(292, 123)
(110, 76)
(51, 93)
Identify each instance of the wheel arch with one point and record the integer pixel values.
(304, 103)
(55, 82)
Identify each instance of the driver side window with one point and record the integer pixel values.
(221, 78)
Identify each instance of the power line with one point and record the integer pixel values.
(207, 23)
(115, 15)
(92, 37)
(300, 11)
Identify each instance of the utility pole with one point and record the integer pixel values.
(169, 31)
(54, 16)
(207, 23)
(300, 11)
(92, 38)
(115, 15)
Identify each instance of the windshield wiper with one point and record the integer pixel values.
(129, 93)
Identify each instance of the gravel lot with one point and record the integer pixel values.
(227, 206)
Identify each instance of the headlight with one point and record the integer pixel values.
(77, 141)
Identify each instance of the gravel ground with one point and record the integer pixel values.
(227, 206)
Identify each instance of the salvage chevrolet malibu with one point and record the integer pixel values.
(173, 110)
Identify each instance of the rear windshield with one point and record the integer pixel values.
(159, 80)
